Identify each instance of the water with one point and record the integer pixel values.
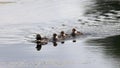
(99, 20)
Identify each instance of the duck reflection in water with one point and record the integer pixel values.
(38, 47)
(55, 44)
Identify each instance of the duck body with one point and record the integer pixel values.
(75, 33)
(41, 42)
(62, 35)
(55, 38)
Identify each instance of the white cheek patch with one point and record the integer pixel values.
(64, 34)
(76, 32)
(56, 37)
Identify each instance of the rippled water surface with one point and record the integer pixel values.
(98, 20)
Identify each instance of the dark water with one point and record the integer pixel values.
(110, 47)
(99, 47)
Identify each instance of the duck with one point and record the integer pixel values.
(41, 40)
(55, 37)
(38, 37)
(63, 35)
(75, 33)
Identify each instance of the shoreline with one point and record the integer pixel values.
(2, 2)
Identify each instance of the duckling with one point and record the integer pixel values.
(55, 39)
(75, 32)
(63, 36)
(38, 37)
(40, 40)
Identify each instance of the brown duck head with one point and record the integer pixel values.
(38, 37)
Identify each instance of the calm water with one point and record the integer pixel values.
(99, 47)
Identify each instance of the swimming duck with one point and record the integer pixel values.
(41, 40)
(55, 39)
(75, 32)
(63, 35)
(38, 37)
